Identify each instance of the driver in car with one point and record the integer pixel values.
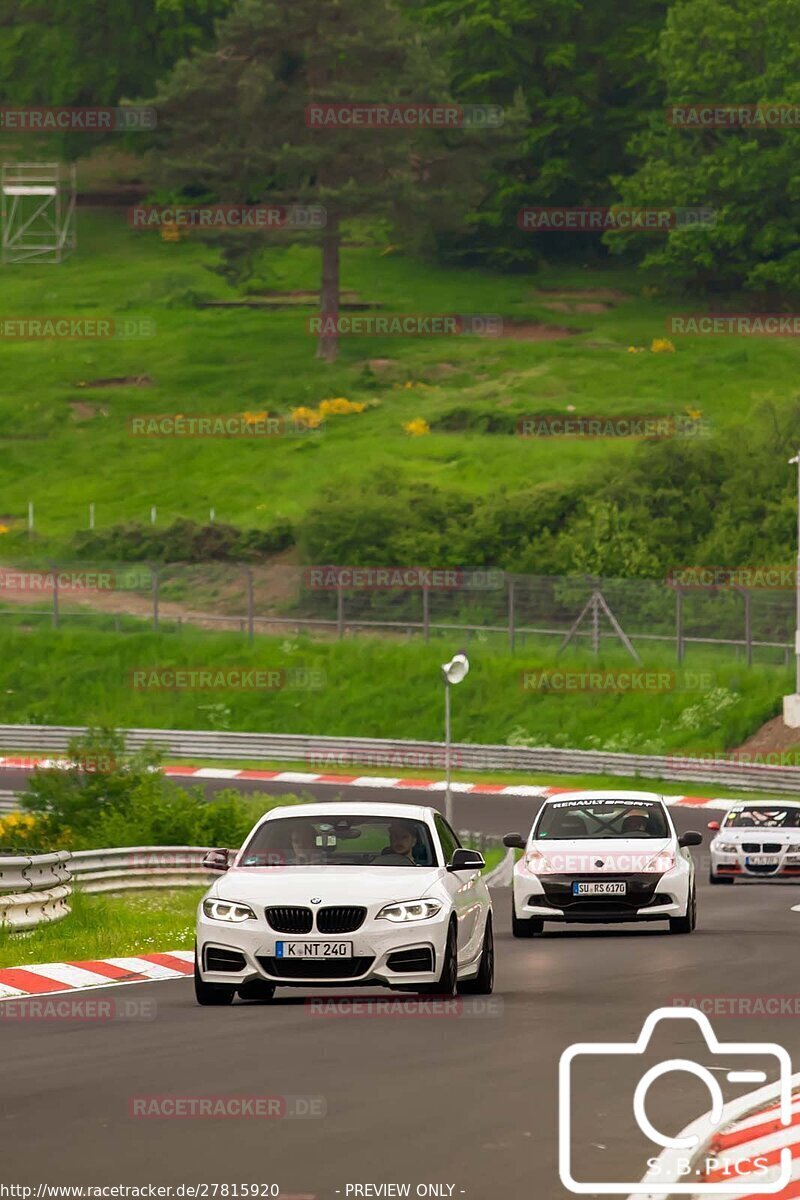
(399, 852)
(635, 822)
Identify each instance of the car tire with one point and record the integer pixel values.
(447, 983)
(257, 989)
(686, 924)
(211, 993)
(525, 927)
(714, 879)
(483, 983)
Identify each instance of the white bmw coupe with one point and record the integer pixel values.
(340, 895)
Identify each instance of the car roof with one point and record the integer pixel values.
(353, 808)
(765, 803)
(604, 794)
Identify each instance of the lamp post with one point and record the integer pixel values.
(791, 704)
(452, 672)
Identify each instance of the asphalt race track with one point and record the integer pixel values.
(466, 1099)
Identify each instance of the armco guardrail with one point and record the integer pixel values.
(38, 889)
(139, 867)
(386, 754)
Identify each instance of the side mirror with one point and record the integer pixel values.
(690, 838)
(713, 825)
(217, 860)
(466, 860)
(514, 840)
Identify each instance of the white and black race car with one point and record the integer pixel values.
(757, 841)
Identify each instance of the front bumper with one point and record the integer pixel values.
(735, 865)
(375, 943)
(648, 897)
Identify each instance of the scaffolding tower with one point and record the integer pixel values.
(38, 211)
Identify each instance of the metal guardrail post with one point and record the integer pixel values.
(339, 609)
(426, 612)
(250, 605)
(156, 579)
(512, 631)
(679, 623)
(55, 596)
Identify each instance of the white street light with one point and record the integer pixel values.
(453, 672)
(791, 704)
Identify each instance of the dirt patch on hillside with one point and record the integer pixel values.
(116, 381)
(611, 294)
(85, 412)
(530, 331)
(578, 306)
(771, 738)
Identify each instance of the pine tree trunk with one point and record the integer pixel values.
(328, 344)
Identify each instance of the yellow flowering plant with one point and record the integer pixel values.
(418, 427)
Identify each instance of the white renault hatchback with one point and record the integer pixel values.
(339, 895)
(603, 857)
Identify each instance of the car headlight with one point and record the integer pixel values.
(793, 849)
(228, 910)
(726, 847)
(661, 862)
(409, 910)
(536, 863)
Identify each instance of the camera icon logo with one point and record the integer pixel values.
(680, 1153)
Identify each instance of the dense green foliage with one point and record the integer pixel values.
(719, 52)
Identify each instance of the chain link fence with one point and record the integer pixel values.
(336, 602)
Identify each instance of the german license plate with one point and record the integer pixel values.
(313, 949)
(605, 887)
(762, 860)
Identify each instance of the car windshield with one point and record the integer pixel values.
(568, 820)
(763, 818)
(336, 840)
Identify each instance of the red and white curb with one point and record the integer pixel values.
(52, 978)
(739, 1159)
(379, 782)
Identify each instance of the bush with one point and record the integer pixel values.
(112, 798)
(182, 541)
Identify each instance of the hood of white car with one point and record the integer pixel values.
(325, 885)
(743, 834)
(601, 855)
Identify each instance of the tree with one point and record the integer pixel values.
(713, 52)
(584, 72)
(238, 123)
(86, 54)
